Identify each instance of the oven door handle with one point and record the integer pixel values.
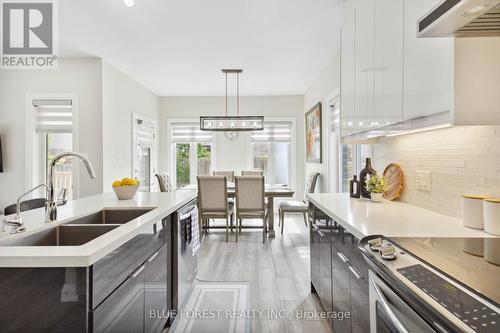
(392, 316)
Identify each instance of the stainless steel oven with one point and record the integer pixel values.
(390, 313)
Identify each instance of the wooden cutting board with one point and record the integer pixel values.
(395, 179)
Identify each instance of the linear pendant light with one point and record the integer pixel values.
(231, 125)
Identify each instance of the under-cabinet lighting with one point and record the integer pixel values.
(418, 130)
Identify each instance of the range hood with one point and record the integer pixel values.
(461, 18)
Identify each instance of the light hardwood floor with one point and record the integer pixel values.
(278, 271)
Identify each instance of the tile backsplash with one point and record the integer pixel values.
(461, 160)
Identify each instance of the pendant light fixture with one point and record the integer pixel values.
(231, 125)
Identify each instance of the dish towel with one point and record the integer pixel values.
(195, 230)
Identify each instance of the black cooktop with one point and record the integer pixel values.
(466, 308)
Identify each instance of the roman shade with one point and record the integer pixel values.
(274, 131)
(145, 134)
(53, 116)
(183, 132)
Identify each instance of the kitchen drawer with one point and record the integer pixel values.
(112, 270)
(123, 310)
(347, 244)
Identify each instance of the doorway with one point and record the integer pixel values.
(144, 151)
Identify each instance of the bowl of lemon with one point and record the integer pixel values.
(126, 188)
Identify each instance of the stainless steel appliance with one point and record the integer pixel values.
(186, 261)
(415, 291)
(461, 18)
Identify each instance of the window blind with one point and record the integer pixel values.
(335, 114)
(274, 131)
(53, 116)
(189, 132)
(145, 134)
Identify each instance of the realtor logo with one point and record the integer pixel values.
(28, 34)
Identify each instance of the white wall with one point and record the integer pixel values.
(322, 90)
(74, 76)
(234, 155)
(122, 96)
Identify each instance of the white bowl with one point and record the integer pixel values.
(126, 192)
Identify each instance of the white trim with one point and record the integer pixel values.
(170, 157)
(336, 158)
(154, 149)
(31, 141)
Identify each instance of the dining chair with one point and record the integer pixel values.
(212, 201)
(228, 174)
(252, 173)
(250, 201)
(165, 182)
(297, 206)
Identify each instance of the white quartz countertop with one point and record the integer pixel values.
(85, 255)
(362, 217)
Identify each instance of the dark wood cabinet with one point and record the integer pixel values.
(339, 274)
(156, 291)
(123, 310)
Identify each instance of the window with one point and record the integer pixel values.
(271, 151)
(54, 130)
(353, 161)
(193, 152)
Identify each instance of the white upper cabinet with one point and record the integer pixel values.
(363, 63)
(347, 69)
(388, 62)
(428, 66)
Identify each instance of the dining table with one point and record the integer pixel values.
(271, 191)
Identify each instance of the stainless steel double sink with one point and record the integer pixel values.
(82, 230)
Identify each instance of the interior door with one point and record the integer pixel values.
(144, 152)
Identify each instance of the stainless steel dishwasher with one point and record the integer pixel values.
(185, 263)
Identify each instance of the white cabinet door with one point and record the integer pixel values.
(363, 51)
(427, 66)
(347, 89)
(388, 62)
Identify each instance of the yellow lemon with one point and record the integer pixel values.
(117, 183)
(128, 181)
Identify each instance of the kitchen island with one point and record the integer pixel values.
(102, 267)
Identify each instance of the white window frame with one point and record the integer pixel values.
(293, 149)
(192, 157)
(32, 142)
(154, 146)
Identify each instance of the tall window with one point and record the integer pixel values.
(54, 128)
(353, 161)
(192, 152)
(271, 151)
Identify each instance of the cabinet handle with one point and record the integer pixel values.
(153, 256)
(355, 272)
(138, 271)
(342, 257)
(315, 227)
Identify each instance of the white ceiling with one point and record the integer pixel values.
(177, 47)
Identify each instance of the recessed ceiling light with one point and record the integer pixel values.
(129, 3)
(474, 10)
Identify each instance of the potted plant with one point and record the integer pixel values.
(376, 186)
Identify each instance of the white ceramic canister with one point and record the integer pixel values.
(491, 213)
(492, 250)
(472, 211)
(474, 246)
